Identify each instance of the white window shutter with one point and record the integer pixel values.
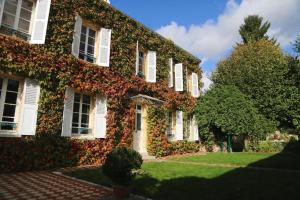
(151, 64)
(39, 30)
(76, 36)
(68, 113)
(1, 9)
(100, 117)
(30, 107)
(137, 58)
(178, 77)
(195, 128)
(195, 85)
(179, 125)
(194, 134)
(104, 48)
(171, 72)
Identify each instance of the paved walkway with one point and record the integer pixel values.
(46, 185)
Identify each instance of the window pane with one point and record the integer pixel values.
(83, 30)
(10, 6)
(90, 50)
(24, 25)
(138, 121)
(77, 98)
(91, 41)
(13, 85)
(92, 33)
(86, 99)
(25, 14)
(11, 97)
(82, 47)
(8, 20)
(76, 107)
(82, 38)
(85, 109)
(9, 111)
(27, 4)
(75, 130)
(75, 118)
(84, 119)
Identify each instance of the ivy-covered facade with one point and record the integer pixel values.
(79, 77)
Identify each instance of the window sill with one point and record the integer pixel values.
(83, 137)
(11, 134)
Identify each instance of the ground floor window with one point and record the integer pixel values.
(9, 92)
(138, 118)
(81, 114)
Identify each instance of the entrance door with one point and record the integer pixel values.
(140, 134)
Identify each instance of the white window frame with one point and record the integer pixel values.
(17, 16)
(85, 53)
(138, 111)
(80, 116)
(10, 133)
(144, 62)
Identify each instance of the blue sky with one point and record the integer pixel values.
(209, 28)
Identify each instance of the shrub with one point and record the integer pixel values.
(266, 146)
(120, 163)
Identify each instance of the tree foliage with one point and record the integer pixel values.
(226, 109)
(254, 29)
(259, 69)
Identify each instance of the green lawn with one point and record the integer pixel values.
(266, 160)
(169, 180)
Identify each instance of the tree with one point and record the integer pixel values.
(254, 29)
(259, 69)
(226, 110)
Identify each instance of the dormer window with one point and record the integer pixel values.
(87, 44)
(26, 19)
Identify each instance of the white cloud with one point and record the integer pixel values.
(214, 39)
(206, 81)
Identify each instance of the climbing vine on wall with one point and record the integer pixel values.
(55, 69)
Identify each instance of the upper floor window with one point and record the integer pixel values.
(26, 19)
(145, 64)
(90, 43)
(87, 44)
(141, 64)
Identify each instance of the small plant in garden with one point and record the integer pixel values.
(121, 165)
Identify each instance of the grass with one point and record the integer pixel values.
(171, 180)
(239, 159)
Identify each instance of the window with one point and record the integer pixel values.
(17, 16)
(141, 63)
(81, 113)
(138, 118)
(87, 44)
(9, 90)
(170, 124)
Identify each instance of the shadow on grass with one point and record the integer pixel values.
(235, 184)
(239, 184)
